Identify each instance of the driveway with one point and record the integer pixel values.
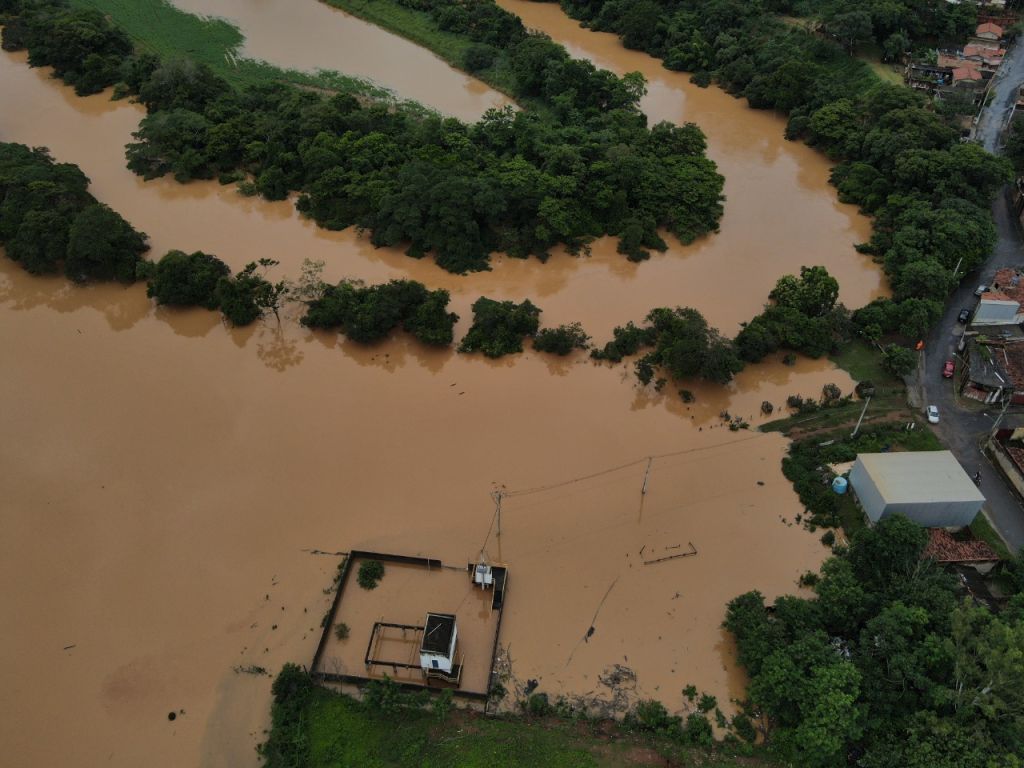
(962, 430)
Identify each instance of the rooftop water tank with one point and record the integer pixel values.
(839, 485)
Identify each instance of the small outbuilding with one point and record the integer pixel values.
(928, 487)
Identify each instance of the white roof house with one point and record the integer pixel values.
(929, 487)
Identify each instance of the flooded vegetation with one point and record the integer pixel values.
(172, 485)
(311, 36)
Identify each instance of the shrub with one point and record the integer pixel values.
(744, 727)
(538, 705)
(341, 630)
(707, 703)
(478, 57)
(651, 715)
(828, 538)
(899, 361)
(370, 572)
(698, 730)
(561, 340)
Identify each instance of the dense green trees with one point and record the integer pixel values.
(885, 662)
(369, 313)
(898, 157)
(684, 346)
(83, 48)
(499, 327)
(804, 318)
(248, 295)
(49, 221)
(187, 279)
(581, 165)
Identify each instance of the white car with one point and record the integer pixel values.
(980, 290)
(932, 412)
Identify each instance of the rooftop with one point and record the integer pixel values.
(437, 633)
(1007, 282)
(908, 477)
(943, 547)
(985, 366)
(966, 73)
(989, 27)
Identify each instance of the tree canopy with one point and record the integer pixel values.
(49, 221)
(887, 661)
(581, 165)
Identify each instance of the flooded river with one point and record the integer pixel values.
(164, 478)
(308, 35)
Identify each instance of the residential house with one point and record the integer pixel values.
(988, 32)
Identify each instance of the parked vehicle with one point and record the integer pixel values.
(980, 290)
(933, 414)
(947, 371)
(964, 316)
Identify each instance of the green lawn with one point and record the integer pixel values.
(160, 28)
(342, 734)
(982, 529)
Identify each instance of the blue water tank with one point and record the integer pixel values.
(839, 485)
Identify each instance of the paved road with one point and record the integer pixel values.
(960, 429)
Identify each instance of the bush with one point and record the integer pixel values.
(341, 630)
(538, 705)
(828, 538)
(698, 731)
(707, 703)
(899, 361)
(561, 340)
(651, 715)
(744, 727)
(370, 572)
(478, 57)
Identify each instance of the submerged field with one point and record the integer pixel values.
(169, 481)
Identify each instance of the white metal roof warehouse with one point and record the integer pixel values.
(929, 487)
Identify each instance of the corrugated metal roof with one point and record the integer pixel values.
(919, 476)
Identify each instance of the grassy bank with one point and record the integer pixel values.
(342, 733)
(418, 27)
(158, 27)
(863, 363)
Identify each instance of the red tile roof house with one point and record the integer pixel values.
(943, 547)
(989, 32)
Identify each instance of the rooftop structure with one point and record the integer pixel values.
(943, 547)
(929, 487)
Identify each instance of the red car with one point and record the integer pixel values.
(947, 372)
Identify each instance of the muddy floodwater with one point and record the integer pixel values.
(169, 484)
(308, 35)
(780, 214)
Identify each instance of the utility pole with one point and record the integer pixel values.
(497, 510)
(863, 411)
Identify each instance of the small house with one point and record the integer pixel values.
(437, 648)
(989, 32)
(929, 487)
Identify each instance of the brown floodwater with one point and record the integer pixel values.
(780, 214)
(310, 35)
(165, 478)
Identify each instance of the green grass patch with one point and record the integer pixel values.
(871, 54)
(420, 28)
(864, 363)
(342, 733)
(158, 27)
(982, 529)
